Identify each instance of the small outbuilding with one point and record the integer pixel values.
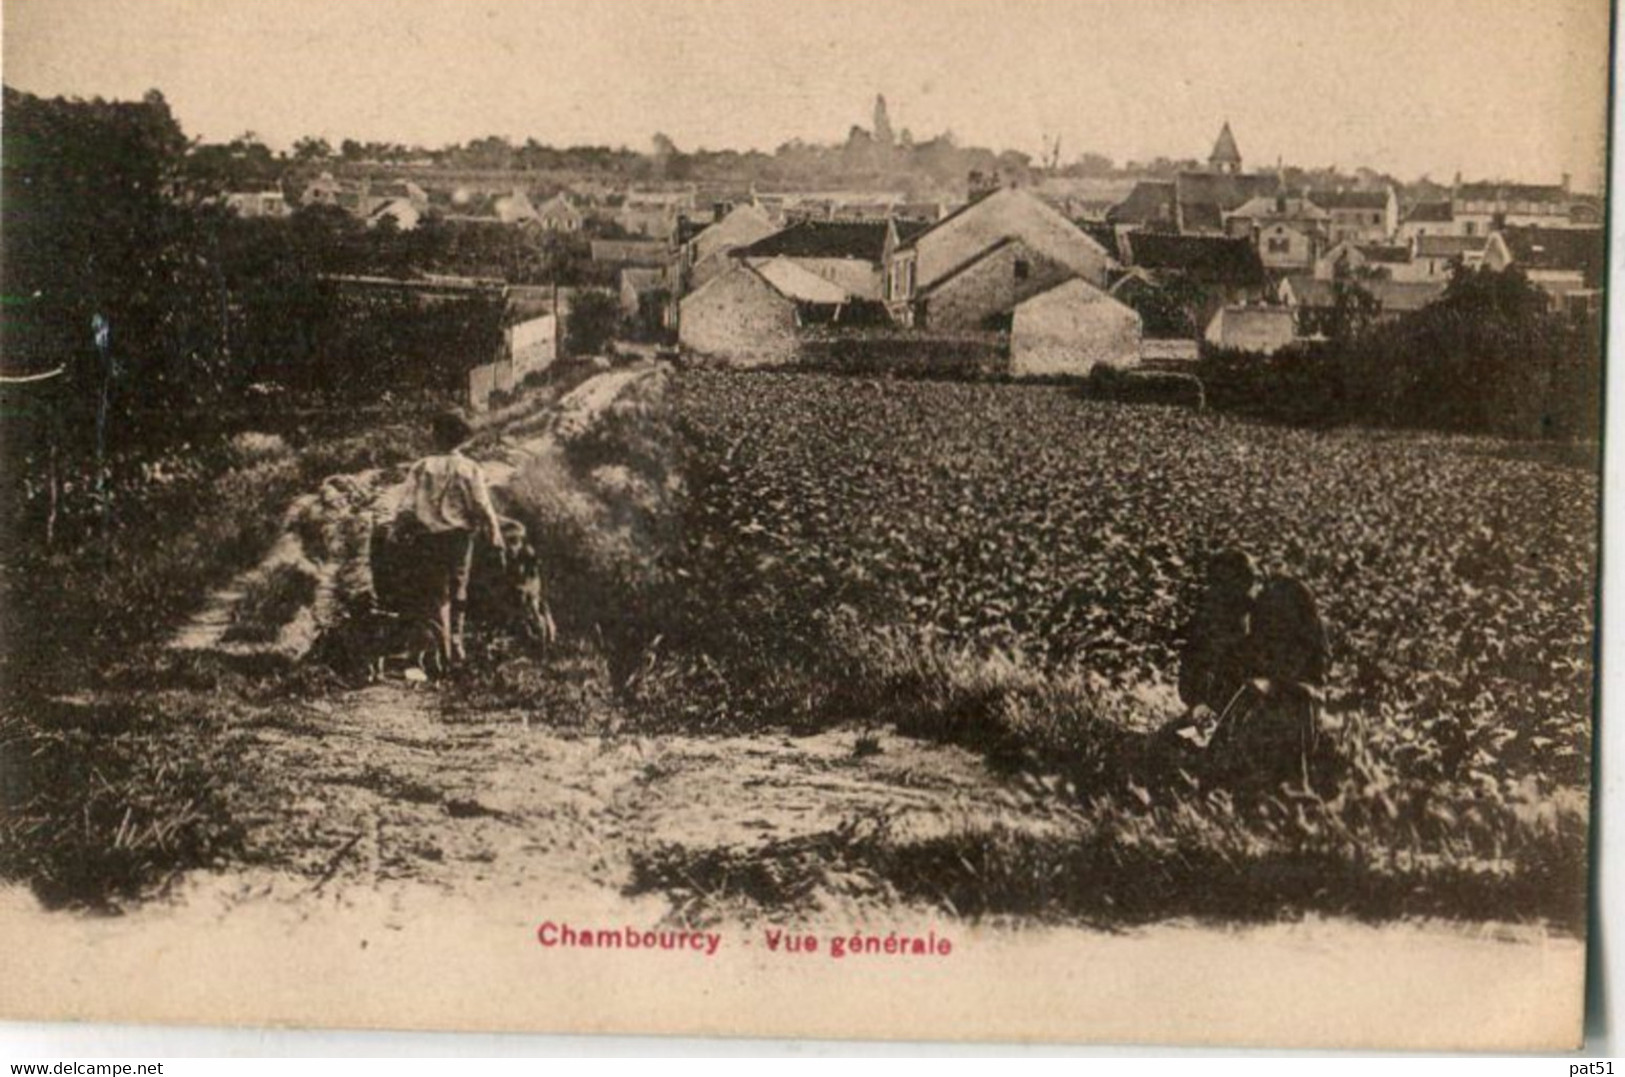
(1259, 329)
(1070, 329)
(739, 317)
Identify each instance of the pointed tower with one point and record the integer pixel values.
(1225, 156)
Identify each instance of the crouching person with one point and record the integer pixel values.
(1270, 733)
(446, 507)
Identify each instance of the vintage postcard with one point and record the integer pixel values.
(1068, 520)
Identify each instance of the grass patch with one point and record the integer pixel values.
(105, 803)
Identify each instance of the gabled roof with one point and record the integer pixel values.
(558, 204)
(1582, 249)
(1151, 201)
(1329, 199)
(744, 224)
(1286, 207)
(966, 234)
(1430, 213)
(1210, 259)
(802, 285)
(1223, 189)
(865, 240)
(974, 260)
(1074, 290)
(1225, 150)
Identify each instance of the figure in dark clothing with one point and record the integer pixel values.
(1268, 733)
(1249, 672)
(1212, 664)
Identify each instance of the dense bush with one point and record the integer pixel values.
(1489, 356)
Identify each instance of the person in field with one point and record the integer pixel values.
(1250, 671)
(1212, 664)
(1270, 732)
(446, 507)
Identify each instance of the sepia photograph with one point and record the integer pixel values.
(1071, 521)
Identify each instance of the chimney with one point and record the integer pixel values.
(1566, 178)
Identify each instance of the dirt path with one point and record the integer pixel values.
(408, 854)
(387, 785)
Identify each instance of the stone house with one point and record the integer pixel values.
(1481, 208)
(707, 253)
(1359, 216)
(915, 263)
(1569, 264)
(739, 317)
(1392, 260)
(1427, 219)
(1070, 329)
(1433, 256)
(983, 293)
(1285, 249)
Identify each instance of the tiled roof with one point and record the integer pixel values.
(1448, 246)
(1204, 216)
(823, 239)
(1582, 249)
(1430, 213)
(908, 229)
(1223, 189)
(1214, 259)
(1150, 201)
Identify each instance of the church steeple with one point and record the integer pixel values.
(883, 132)
(1225, 156)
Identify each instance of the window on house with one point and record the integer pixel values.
(1469, 228)
(1279, 245)
(1023, 269)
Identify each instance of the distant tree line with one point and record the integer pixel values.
(141, 314)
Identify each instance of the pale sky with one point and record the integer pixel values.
(1494, 88)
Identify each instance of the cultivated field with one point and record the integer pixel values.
(1009, 567)
(835, 649)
